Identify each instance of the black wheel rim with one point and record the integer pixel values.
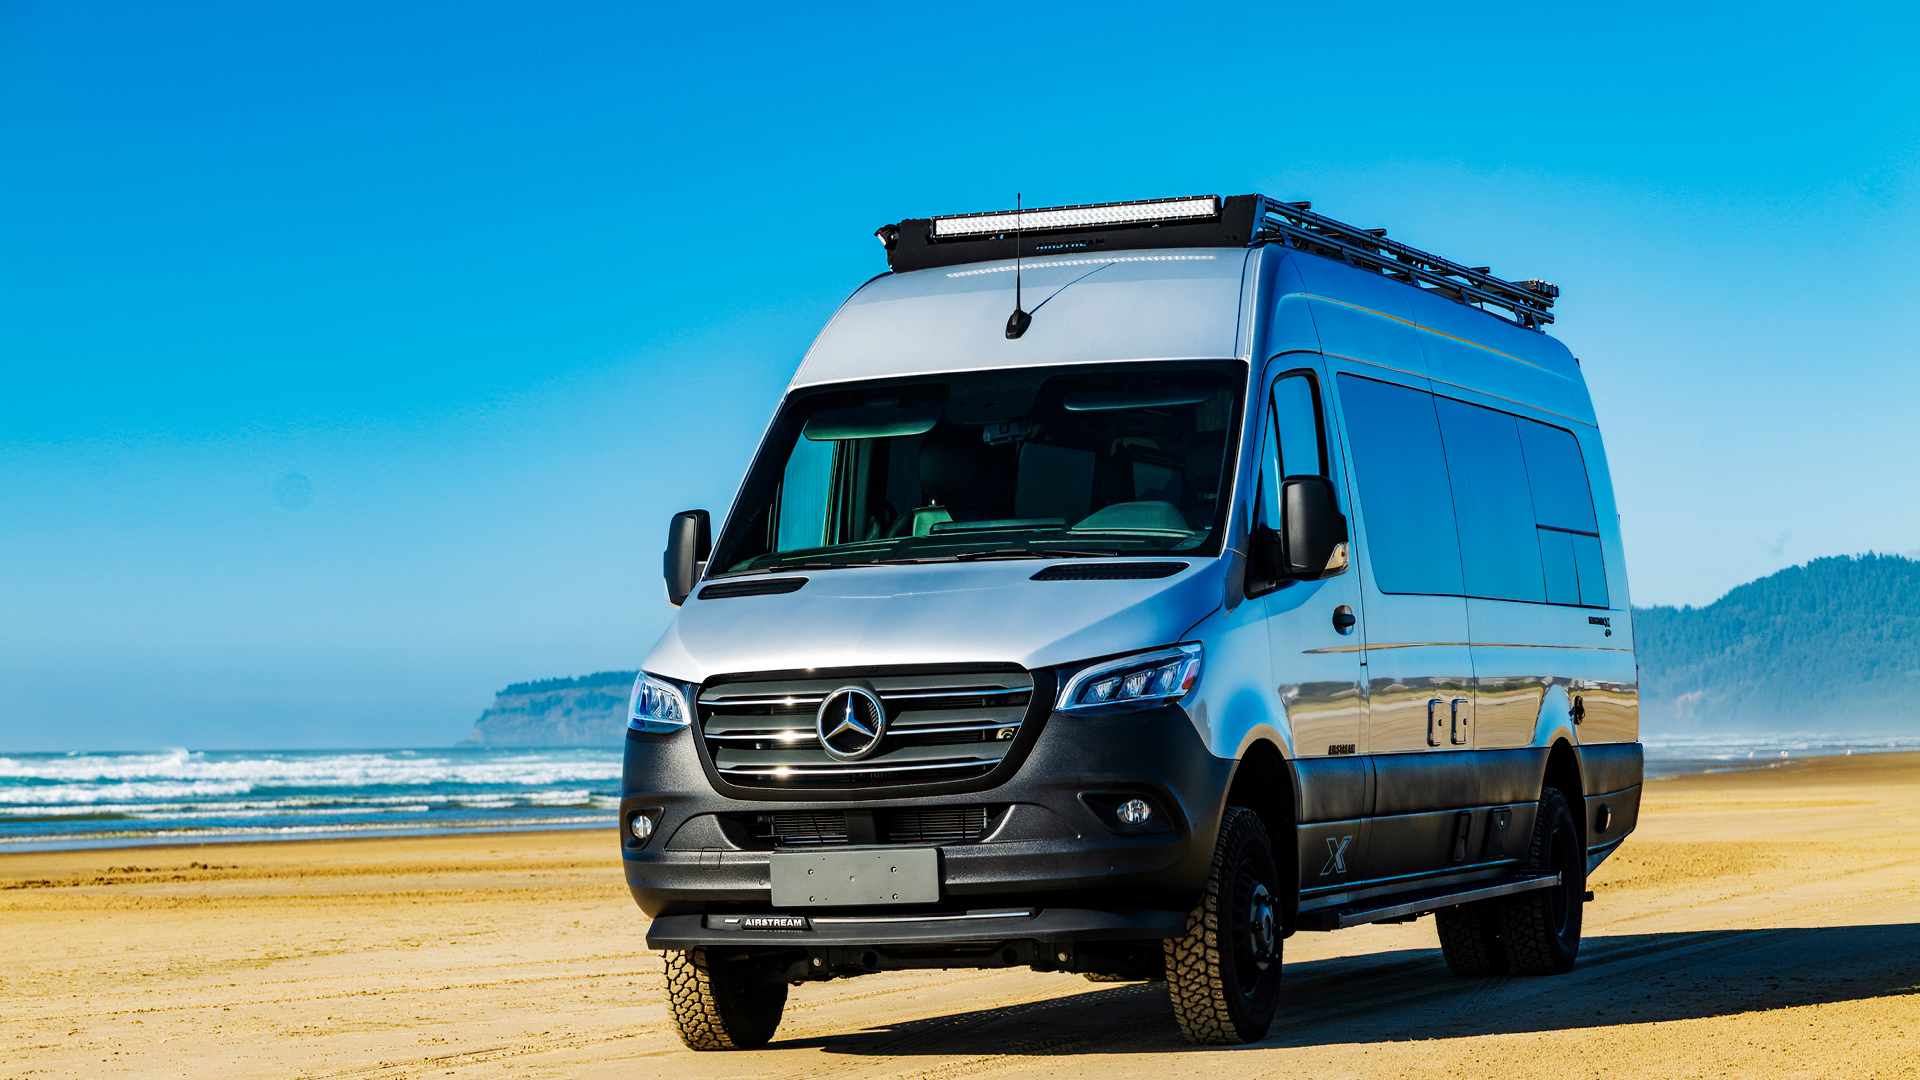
(1563, 856)
(1256, 932)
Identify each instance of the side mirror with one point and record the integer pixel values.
(1313, 530)
(689, 542)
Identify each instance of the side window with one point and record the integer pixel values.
(1295, 444)
(1296, 413)
(1499, 555)
(1564, 522)
(1400, 465)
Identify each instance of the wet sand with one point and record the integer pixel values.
(1761, 923)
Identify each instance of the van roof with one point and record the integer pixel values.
(1145, 305)
(1184, 304)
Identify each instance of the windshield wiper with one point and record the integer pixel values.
(1029, 552)
(1020, 552)
(812, 564)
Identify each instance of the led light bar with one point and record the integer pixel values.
(1203, 221)
(1143, 212)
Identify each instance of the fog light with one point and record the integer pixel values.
(642, 826)
(1134, 812)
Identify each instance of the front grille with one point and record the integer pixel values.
(935, 825)
(800, 829)
(922, 825)
(940, 727)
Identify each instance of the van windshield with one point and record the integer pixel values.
(1084, 461)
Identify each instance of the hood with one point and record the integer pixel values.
(943, 613)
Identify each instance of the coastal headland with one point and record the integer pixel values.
(1764, 922)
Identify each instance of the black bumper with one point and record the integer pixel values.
(1050, 926)
(1052, 846)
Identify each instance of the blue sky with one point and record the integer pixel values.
(509, 285)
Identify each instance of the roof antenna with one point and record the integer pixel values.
(1017, 322)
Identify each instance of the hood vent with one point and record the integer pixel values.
(761, 587)
(1120, 571)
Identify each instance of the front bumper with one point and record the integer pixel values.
(1049, 926)
(1053, 847)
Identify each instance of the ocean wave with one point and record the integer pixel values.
(1741, 746)
(135, 792)
(196, 776)
(315, 804)
(290, 831)
(345, 769)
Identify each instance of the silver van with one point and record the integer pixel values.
(1243, 573)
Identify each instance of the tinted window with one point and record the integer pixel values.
(1562, 572)
(1296, 417)
(1561, 499)
(1405, 499)
(1593, 573)
(1563, 513)
(1499, 555)
(1294, 446)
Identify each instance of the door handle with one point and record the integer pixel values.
(1436, 720)
(1459, 723)
(1343, 619)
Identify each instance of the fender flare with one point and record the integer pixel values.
(1277, 802)
(1554, 723)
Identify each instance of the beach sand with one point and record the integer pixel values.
(1759, 923)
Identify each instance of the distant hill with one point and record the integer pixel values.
(587, 710)
(1830, 646)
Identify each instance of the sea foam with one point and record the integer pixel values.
(82, 800)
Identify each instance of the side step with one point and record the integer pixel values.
(1420, 902)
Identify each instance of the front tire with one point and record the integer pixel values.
(1470, 939)
(722, 1004)
(1223, 976)
(1541, 929)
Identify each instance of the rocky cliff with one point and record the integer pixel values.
(590, 710)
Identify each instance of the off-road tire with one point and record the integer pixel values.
(1541, 929)
(715, 1006)
(1470, 939)
(1100, 977)
(1210, 993)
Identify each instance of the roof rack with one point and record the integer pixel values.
(1206, 221)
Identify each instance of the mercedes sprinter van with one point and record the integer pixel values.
(1122, 589)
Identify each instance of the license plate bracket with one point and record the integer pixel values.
(855, 878)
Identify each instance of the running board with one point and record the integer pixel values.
(1420, 902)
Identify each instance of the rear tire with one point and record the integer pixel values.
(1470, 939)
(1541, 929)
(1223, 976)
(721, 1004)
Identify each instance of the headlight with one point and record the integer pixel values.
(656, 705)
(1140, 681)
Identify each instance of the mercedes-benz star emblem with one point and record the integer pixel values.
(851, 723)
